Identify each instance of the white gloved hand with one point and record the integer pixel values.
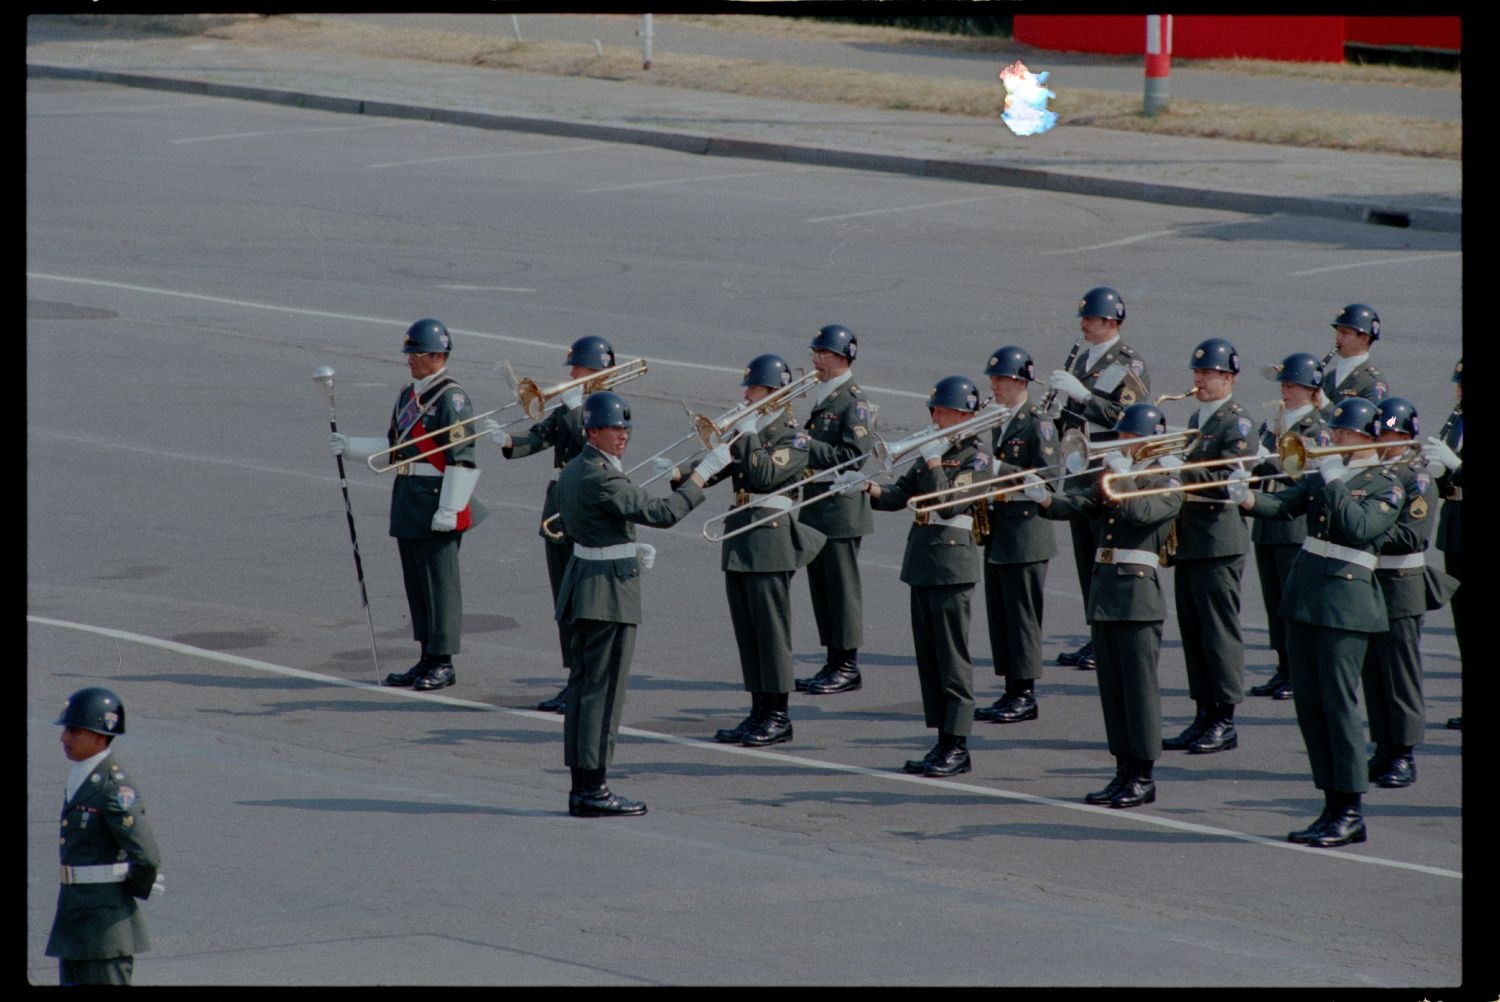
(338, 444)
(1435, 450)
(1236, 487)
(1065, 382)
(645, 553)
(1169, 462)
(491, 427)
(1118, 462)
(746, 424)
(1331, 467)
(848, 482)
(713, 463)
(159, 885)
(1033, 488)
(1074, 462)
(444, 520)
(933, 449)
(1262, 452)
(661, 466)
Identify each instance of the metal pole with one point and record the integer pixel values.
(1158, 61)
(515, 26)
(646, 40)
(323, 376)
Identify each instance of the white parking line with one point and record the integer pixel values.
(688, 180)
(782, 758)
(483, 156)
(1123, 241)
(899, 208)
(1408, 259)
(219, 137)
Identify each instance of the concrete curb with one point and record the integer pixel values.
(978, 172)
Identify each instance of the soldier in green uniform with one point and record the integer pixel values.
(1444, 455)
(768, 452)
(838, 431)
(1334, 607)
(941, 566)
(1125, 606)
(600, 593)
(1096, 384)
(108, 854)
(1212, 540)
(1276, 543)
(1355, 329)
(1020, 540)
(431, 506)
(1393, 662)
(560, 430)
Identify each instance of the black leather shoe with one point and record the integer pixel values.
(734, 735)
(557, 704)
(1455, 723)
(439, 676)
(1302, 836)
(601, 803)
(1344, 827)
(1087, 662)
(802, 683)
(1400, 771)
(1220, 736)
(1283, 691)
(1194, 731)
(988, 712)
(951, 762)
(1104, 796)
(404, 679)
(844, 678)
(1269, 689)
(771, 729)
(1379, 762)
(917, 766)
(1136, 791)
(1071, 657)
(1012, 708)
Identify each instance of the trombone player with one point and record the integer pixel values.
(431, 505)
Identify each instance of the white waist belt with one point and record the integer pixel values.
(619, 551)
(104, 873)
(1401, 561)
(956, 522)
(1111, 555)
(778, 501)
(418, 470)
(1348, 554)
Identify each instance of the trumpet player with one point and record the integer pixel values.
(431, 506)
(1334, 607)
(1020, 542)
(1355, 329)
(941, 566)
(1125, 604)
(1097, 384)
(1212, 540)
(561, 431)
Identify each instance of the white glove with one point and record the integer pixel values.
(1262, 452)
(489, 426)
(354, 448)
(458, 485)
(746, 424)
(1437, 451)
(1169, 462)
(1236, 487)
(661, 466)
(1118, 462)
(1074, 462)
(573, 397)
(1331, 467)
(934, 449)
(646, 554)
(337, 444)
(1033, 488)
(713, 463)
(1065, 382)
(847, 482)
(158, 886)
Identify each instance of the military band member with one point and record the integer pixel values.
(1334, 608)
(1393, 662)
(838, 431)
(1020, 540)
(1103, 380)
(1212, 540)
(941, 566)
(1444, 452)
(1125, 604)
(108, 854)
(1355, 329)
(599, 596)
(1276, 543)
(560, 430)
(431, 502)
(768, 452)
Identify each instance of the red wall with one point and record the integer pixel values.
(1440, 33)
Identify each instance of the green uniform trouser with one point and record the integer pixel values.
(558, 555)
(1326, 666)
(1463, 620)
(434, 593)
(1274, 562)
(760, 607)
(837, 598)
(940, 634)
(1013, 608)
(1084, 548)
(595, 695)
(1393, 683)
(114, 971)
(1129, 693)
(1208, 618)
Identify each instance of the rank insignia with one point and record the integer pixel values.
(963, 479)
(860, 431)
(126, 796)
(1418, 508)
(781, 457)
(456, 435)
(1127, 398)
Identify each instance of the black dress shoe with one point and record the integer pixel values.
(1193, 732)
(1400, 771)
(951, 762)
(601, 803)
(1071, 657)
(802, 683)
(1302, 836)
(918, 766)
(771, 729)
(1283, 691)
(1269, 689)
(1137, 791)
(734, 735)
(988, 712)
(557, 704)
(1379, 762)
(1012, 708)
(1455, 723)
(1344, 827)
(1220, 736)
(1086, 661)
(844, 678)
(1107, 794)
(439, 676)
(404, 679)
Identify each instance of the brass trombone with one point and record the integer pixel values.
(979, 491)
(1075, 442)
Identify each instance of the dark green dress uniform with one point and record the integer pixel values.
(1364, 380)
(1125, 605)
(1020, 544)
(99, 928)
(1117, 379)
(429, 560)
(941, 566)
(600, 594)
(1277, 543)
(1450, 530)
(1334, 608)
(758, 565)
(561, 431)
(838, 431)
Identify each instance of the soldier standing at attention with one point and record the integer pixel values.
(108, 854)
(1355, 328)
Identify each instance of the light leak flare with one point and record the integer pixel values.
(1026, 100)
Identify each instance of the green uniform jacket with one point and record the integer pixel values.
(561, 430)
(1018, 534)
(1264, 531)
(1365, 381)
(414, 499)
(1406, 588)
(838, 430)
(1124, 592)
(1123, 371)
(1213, 527)
(763, 462)
(939, 554)
(601, 507)
(105, 822)
(1451, 486)
(1325, 591)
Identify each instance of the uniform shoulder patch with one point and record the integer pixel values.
(1242, 425)
(981, 461)
(1381, 389)
(125, 796)
(459, 401)
(799, 441)
(1046, 430)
